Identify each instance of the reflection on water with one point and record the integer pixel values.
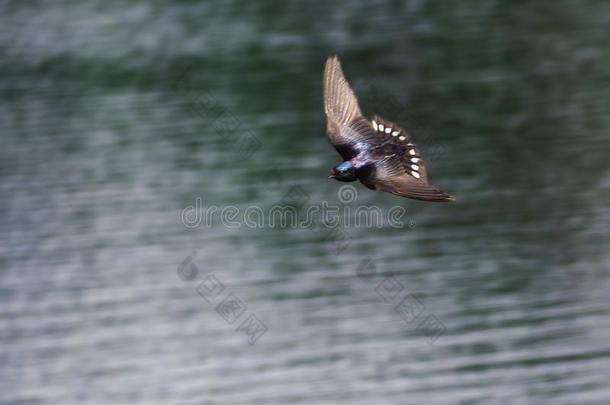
(102, 150)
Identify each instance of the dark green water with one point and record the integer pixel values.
(115, 117)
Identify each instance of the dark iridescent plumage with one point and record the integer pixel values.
(377, 152)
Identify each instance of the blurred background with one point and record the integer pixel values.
(116, 116)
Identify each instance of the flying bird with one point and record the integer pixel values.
(377, 152)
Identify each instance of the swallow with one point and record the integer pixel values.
(377, 152)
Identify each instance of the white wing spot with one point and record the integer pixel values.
(395, 133)
(388, 130)
(415, 174)
(381, 127)
(401, 137)
(415, 167)
(412, 152)
(414, 160)
(375, 125)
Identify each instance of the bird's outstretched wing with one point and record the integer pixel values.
(400, 168)
(389, 175)
(396, 141)
(345, 126)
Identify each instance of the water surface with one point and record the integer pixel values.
(115, 117)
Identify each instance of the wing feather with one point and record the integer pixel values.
(340, 103)
(389, 176)
(396, 140)
(341, 108)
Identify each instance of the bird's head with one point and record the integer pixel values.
(343, 172)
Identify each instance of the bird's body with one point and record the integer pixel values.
(377, 152)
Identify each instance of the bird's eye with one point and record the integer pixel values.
(343, 168)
